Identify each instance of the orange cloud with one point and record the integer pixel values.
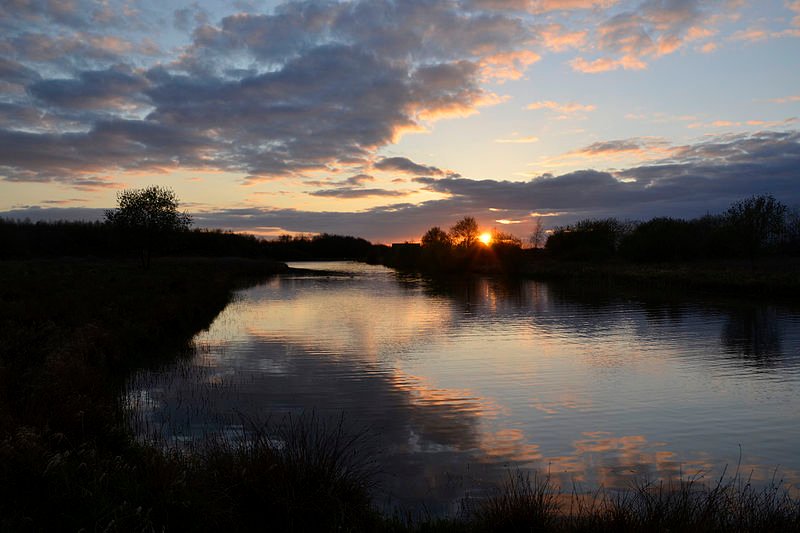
(557, 38)
(738, 124)
(750, 35)
(795, 6)
(605, 64)
(508, 65)
(566, 108)
(708, 47)
(518, 140)
(542, 6)
(786, 100)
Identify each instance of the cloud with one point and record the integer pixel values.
(558, 38)
(115, 145)
(752, 35)
(709, 47)
(190, 17)
(566, 108)
(544, 6)
(794, 5)
(348, 192)
(16, 73)
(604, 64)
(693, 180)
(71, 51)
(786, 99)
(661, 117)
(116, 87)
(508, 65)
(311, 86)
(639, 145)
(406, 166)
(744, 123)
(630, 39)
(518, 140)
(358, 180)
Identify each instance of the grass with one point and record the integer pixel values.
(73, 331)
(528, 503)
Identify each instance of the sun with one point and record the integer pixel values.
(485, 238)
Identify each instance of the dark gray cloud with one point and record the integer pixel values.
(420, 30)
(310, 86)
(406, 166)
(349, 192)
(108, 146)
(358, 180)
(16, 73)
(114, 87)
(634, 144)
(190, 17)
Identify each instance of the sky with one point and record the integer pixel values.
(381, 118)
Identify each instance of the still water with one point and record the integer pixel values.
(459, 382)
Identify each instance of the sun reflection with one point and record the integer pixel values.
(485, 238)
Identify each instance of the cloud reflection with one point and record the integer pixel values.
(461, 381)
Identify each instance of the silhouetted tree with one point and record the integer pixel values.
(500, 238)
(538, 236)
(147, 216)
(589, 239)
(465, 232)
(758, 222)
(661, 239)
(436, 237)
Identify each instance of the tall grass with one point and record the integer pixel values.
(732, 504)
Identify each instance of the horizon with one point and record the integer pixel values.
(382, 119)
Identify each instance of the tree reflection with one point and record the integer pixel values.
(754, 333)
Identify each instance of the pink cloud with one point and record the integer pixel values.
(508, 65)
(786, 100)
(518, 140)
(605, 64)
(566, 108)
(557, 38)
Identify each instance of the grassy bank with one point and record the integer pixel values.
(778, 277)
(72, 331)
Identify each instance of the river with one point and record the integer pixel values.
(460, 382)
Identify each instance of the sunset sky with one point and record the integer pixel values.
(383, 118)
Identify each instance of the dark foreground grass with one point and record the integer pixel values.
(731, 504)
(71, 332)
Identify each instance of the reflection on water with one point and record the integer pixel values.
(461, 380)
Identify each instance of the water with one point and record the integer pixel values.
(460, 382)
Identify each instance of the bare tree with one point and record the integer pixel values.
(759, 222)
(465, 232)
(539, 235)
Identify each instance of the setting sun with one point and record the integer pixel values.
(485, 238)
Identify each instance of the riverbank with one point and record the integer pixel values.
(72, 331)
(775, 277)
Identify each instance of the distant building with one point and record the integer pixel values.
(405, 254)
(402, 246)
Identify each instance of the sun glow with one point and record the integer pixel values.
(485, 238)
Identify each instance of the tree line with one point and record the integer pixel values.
(749, 229)
(148, 222)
